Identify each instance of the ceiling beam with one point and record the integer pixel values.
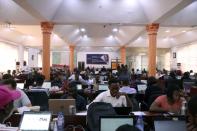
(173, 11)
(27, 7)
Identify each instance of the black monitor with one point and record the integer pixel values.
(170, 124)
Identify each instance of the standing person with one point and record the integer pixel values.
(192, 114)
(7, 97)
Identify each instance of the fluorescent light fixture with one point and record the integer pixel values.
(167, 31)
(115, 30)
(83, 30)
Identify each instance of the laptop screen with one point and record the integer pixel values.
(35, 121)
(79, 87)
(111, 123)
(170, 125)
(103, 87)
(46, 85)
(20, 85)
(141, 87)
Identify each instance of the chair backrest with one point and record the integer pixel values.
(38, 99)
(95, 110)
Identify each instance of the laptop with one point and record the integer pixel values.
(46, 85)
(20, 86)
(103, 87)
(79, 87)
(141, 87)
(111, 123)
(35, 121)
(61, 105)
(170, 125)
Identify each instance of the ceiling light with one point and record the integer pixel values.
(83, 30)
(183, 31)
(115, 30)
(167, 31)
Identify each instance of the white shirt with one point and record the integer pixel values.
(23, 100)
(107, 98)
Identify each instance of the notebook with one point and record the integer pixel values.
(46, 85)
(20, 86)
(61, 105)
(170, 125)
(111, 123)
(36, 121)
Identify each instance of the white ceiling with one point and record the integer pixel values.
(99, 18)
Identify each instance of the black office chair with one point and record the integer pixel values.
(39, 99)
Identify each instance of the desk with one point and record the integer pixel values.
(68, 119)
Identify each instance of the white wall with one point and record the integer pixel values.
(60, 57)
(81, 56)
(187, 56)
(8, 56)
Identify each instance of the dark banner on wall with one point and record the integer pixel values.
(97, 59)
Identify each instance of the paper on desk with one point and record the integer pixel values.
(138, 113)
(22, 109)
(82, 113)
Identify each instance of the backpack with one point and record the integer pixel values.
(95, 110)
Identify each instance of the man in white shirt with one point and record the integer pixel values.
(113, 96)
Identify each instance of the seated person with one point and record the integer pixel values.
(39, 83)
(72, 94)
(113, 95)
(77, 77)
(126, 88)
(192, 114)
(7, 97)
(171, 102)
(23, 100)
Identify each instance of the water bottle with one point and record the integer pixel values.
(183, 108)
(140, 123)
(60, 121)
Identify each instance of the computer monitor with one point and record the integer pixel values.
(20, 86)
(111, 123)
(61, 105)
(141, 87)
(170, 125)
(35, 121)
(187, 85)
(46, 85)
(103, 87)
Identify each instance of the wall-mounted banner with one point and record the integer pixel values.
(97, 59)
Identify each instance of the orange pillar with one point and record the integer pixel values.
(71, 57)
(46, 31)
(152, 35)
(123, 54)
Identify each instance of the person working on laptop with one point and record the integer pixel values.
(113, 95)
(171, 102)
(192, 114)
(7, 97)
(72, 94)
(23, 100)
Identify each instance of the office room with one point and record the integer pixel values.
(98, 65)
